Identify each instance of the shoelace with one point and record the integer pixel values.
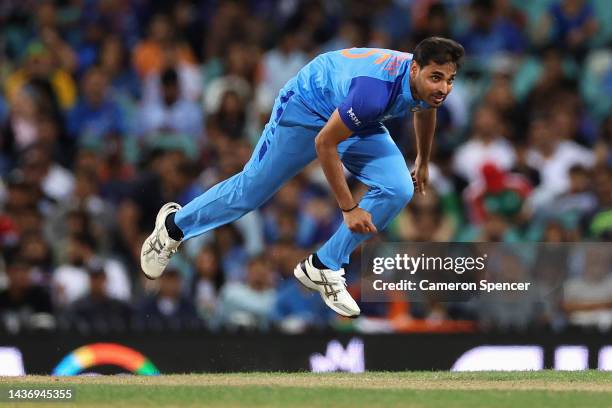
(167, 253)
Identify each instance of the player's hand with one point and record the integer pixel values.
(420, 176)
(360, 221)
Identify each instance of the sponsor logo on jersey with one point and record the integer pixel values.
(353, 117)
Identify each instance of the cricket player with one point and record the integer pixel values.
(332, 110)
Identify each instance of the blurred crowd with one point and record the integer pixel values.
(110, 108)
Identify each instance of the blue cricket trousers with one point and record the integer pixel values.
(286, 147)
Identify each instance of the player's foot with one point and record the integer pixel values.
(330, 284)
(158, 248)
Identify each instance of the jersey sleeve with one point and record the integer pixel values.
(365, 102)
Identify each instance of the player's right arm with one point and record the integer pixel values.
(326, 143)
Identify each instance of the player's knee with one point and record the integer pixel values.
(401, 192)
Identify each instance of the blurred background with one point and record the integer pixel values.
(110, 108)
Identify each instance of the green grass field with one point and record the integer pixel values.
(406, 389)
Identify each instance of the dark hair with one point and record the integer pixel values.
(169, 77)
(87, 239)
(438, 50)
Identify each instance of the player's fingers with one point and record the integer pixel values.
(363, 227)
(421, 188)
(369, 224)
(371, 227)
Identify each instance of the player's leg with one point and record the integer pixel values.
(377, 162)
(282, 151)
(268, 169)
(285, 147)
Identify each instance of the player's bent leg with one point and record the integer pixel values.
(384, 204)
(377, 162)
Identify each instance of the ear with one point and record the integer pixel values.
(414, 69)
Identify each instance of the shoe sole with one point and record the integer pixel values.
(301, 276)
(158, 219)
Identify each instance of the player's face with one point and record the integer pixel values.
(433, 82)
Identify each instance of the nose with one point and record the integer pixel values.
(444, 88)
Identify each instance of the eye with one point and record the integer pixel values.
(435, 78)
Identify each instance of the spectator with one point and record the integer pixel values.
(552, 78)
(553, 158)
(603, 148)
(21, 198)
(39, 169)
(85, 203)
(114, 62)
(281, 63)
(207, 282)
(600, 222)
(71, 280)
(148, 57)
(97, 310)
(168, 308)
(497, 191)
(491, 33)
(579, 201)
(35, 251)
(424, 220)
(41, 71)
(172, 113)
(249, 304)
(436, 23)
(96, 115)
(507, 310)
(298, 309)
(587, 298)
(230, 120)
(485, 145)
(20, 130)
(24, 304)
(569, 24)
(318, 220)
(231, 251)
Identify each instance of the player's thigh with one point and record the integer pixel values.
(377, 162)
(278, 156)
(287, 142)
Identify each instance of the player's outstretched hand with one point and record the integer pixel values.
(360, 221)
(420, 176)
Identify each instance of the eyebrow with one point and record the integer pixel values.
(442, 74)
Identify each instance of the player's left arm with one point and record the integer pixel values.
(424, 128)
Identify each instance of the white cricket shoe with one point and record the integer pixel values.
(330, 284)
(158, 248)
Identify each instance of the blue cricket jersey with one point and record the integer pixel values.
(366, 85)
